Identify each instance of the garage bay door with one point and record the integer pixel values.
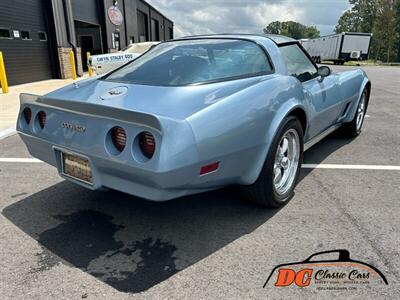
(24, 40)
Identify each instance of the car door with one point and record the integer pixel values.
(323, 94)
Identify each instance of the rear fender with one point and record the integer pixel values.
(239, 129)
(285, 110)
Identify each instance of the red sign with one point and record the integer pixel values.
(115, 15)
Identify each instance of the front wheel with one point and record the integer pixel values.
(277, 180)
(353, 128)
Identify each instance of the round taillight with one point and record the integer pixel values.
(147, 144)
(42, 118)
(118, 137)
(27, 114)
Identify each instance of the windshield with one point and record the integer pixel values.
(194, 61)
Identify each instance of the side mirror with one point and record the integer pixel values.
(324, 71)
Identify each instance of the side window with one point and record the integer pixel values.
(297, 63)
(42, 36)
(248, 59)
(25, 35)
(5, 33)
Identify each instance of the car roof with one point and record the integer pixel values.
(276, 38)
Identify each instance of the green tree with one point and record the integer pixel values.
(312, 32)
(273, 28)
(385, 30)
(397, 43)
(360, 18)
(365, 12)
(292, 29)
(347, 22)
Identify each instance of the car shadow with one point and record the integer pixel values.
(129, 243)
(133, 244)
(322, 150)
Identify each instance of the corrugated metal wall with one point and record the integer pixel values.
(86, 11)
(26, 60)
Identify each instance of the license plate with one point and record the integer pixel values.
(76, 167)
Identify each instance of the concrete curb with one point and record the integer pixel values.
(7, 132)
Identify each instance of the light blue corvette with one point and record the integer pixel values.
(196, 114)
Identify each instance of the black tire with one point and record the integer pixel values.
(262, 191)
(351, 129)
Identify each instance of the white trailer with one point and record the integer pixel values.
(339, 48)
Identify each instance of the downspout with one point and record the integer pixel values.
(69, 19)
(126, 26)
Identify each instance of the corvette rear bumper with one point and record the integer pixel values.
(84, 129)
(152, 185)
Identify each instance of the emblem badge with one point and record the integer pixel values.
(75, 127)
(114, 92)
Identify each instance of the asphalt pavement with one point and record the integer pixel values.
(59, 240)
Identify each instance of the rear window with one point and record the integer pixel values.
(195, 61)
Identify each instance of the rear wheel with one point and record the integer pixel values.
(353, 128)
(277, 180)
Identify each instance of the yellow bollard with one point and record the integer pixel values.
(72, 62)
(3, 76)
(90, 71)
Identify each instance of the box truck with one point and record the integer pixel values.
(339, 48)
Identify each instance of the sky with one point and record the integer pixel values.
(247, 16)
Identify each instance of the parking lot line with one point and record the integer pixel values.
(19, 160)
(7, 132)
(350, 167)
(304, 166)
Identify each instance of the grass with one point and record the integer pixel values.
(369, 62)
